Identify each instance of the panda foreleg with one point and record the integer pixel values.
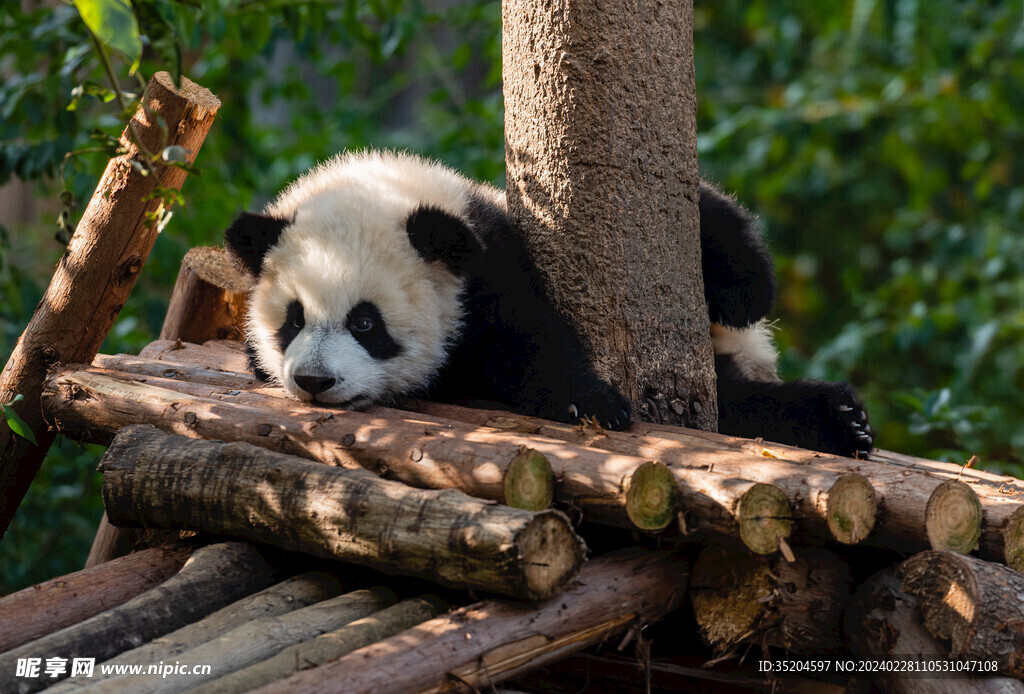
(819, 415)
(538, 364)
(739, 278)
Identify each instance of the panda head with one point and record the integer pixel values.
(356, 298)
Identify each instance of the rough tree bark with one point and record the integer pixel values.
(100, 267)
(600, 147)
(60, 602)
(165, 481)
(214, 576)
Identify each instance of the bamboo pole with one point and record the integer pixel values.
(98, 270)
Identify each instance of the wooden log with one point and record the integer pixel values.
(209, 298)
(284, 597)
(60, 602)
(1013, 539)
(977, 605)
(421, 451)
(154, 479)
(98, 270)
(257, 640)
(885, 508)
(496, 640)
(214, 576)
(882, 622)
(327, 647)
(738, 597)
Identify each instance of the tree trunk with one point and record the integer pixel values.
(496, 640)
(60, 602)
(600, 149)
(213, 577)
(882, 621)
(976, 604)
(96, 273)
(154, 479)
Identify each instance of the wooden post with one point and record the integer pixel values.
(95, 275)
(209, 298)
(739, 597)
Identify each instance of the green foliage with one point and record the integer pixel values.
(16, 423)
(883, 155)
(113, 23)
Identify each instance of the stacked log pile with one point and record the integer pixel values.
(780, 551)
(770, 529)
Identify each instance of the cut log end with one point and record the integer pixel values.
(652, 496)
(199, 97)
(550, 552)
(852, 508)
(765, 517)
(529, 481)
(1013, 541)
(953, 517)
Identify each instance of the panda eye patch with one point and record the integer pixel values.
(294, 322)
(366, 324)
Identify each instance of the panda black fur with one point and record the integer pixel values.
(380, 275)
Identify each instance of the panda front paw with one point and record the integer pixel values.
(846, 429)
(598, 401)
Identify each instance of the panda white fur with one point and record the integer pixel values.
(380, 275)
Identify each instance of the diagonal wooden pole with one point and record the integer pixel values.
(98, 270)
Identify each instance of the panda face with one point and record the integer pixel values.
(346, 312)
(359, 266)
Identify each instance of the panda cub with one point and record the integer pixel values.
(380, 275)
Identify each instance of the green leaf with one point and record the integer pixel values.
(113, 22)
(17, 424)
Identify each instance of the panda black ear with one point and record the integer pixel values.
(250, 236)
(437, 235)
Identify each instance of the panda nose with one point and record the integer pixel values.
(313, 384)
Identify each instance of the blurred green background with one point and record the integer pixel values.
(880, 141)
